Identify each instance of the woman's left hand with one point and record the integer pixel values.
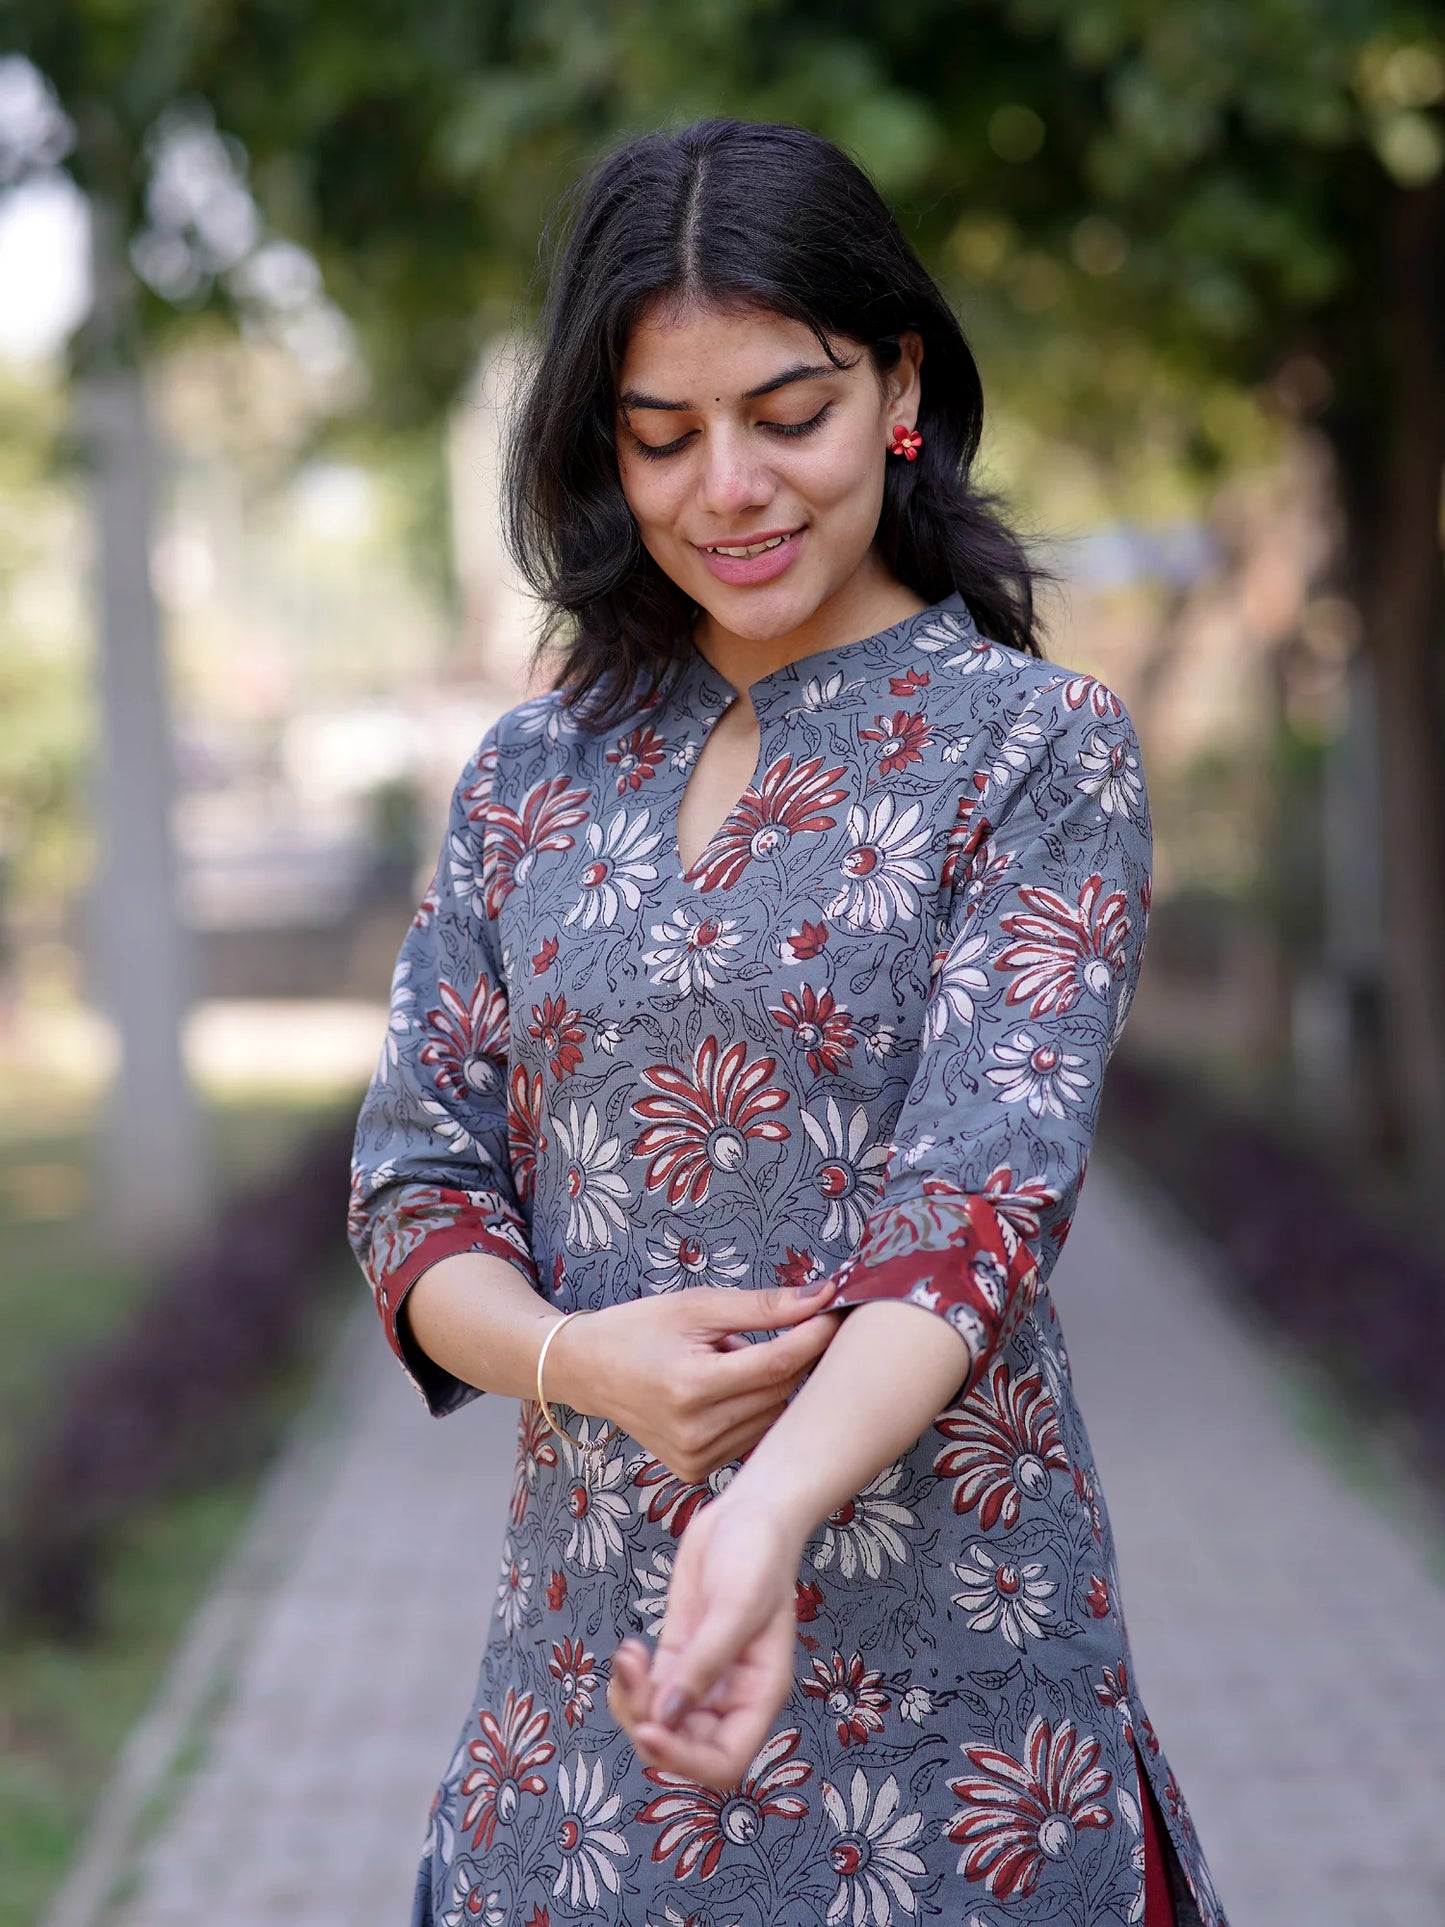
(703, 1704)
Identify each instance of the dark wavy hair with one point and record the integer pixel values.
(761, 216)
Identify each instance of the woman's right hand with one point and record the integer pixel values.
(677, 1373)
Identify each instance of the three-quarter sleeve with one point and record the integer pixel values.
(433, 1172)
(1039, 956)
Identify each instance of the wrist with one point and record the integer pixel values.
(773, 1498)
(562, 1375)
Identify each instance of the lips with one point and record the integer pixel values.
(760, 558)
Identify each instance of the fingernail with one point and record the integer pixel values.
(674, 1705)
(815, 1285)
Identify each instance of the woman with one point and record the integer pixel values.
(769, 975)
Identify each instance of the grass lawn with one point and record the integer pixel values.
(65, 1710)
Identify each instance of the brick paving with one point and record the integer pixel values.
(1289, 1641)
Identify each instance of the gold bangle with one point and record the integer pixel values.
(579, 1445)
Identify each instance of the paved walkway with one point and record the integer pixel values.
(1290, 1642)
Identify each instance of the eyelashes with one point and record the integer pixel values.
(790, 431)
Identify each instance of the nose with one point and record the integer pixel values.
(733, 478)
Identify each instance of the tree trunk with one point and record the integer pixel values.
(153, 1165)
(1403, 594)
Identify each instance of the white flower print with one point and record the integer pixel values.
(1018, 752)
(692, 950)
(468, 883)
(589, 1846)
(1044, 1076)
(672, 1918)
(595, 1192)
(543, 718)
(654, 1578)
(618, 868)
(867, 1529)
(956, 748)
(998, 1593)
(606, 1037)
(817, 693)
(1111, 773)
(882, 875)
(685, 1258)
(684, 756)
(880, 1042)
(850, 1177)
(959, 980)
(399, 1020)
(514, 1590)
(472, 1905)
(458, 1141)
(872, 1855)
(598, 1510)
(1134, 1824)
(916, 1704)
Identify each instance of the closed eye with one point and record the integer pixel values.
(657, 452)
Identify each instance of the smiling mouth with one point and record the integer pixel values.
(742, 554)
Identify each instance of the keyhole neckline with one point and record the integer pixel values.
(783, 681)
(769, 693)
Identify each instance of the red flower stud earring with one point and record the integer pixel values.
(906, 441)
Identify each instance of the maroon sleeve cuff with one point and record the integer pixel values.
(952, 1253)
(468, 1229)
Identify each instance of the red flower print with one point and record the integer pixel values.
(1178, 1808)
(536, 1449)
(788, 803)
(539, 1917)
(1020, 1204)
(525, 1137)
(909, 684)
(506, 1758)
(1089, 1500)
(807, 1599)
(545, 957)
(821, 1028)
(805, 944)
(701, 1124)
(1096, 1599)
(905, 738)
(852, 1694)
(427, 908)
(636, 756)
(1064, 948)
(671, 1501)
(798, 1268)
(560, 1034)
(1079, 690)
(514, 840)
(576, 1669)
(1005, 1443)
(556, 1591)
(969, 830)
(467, 1038)
(559, 1271)
(1022, 1814)
(698, 1822)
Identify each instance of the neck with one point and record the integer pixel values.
(870, 601)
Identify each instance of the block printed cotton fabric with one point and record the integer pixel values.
(864, 1034)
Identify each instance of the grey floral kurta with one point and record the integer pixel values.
(864, 1034)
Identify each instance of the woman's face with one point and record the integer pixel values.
(736, 432)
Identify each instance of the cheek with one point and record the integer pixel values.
(654, 491)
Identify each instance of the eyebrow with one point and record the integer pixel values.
(631, 398)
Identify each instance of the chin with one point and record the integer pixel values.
(762, 614)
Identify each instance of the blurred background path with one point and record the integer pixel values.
(1289, 1640)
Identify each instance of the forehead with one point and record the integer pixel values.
(702, 351)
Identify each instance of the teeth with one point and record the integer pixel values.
(758, 548)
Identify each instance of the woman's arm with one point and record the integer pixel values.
(674, 1371)
(724, 1663)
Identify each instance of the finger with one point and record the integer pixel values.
(764, 1310)
(691, 1658)
(628, 1688)
(780, 1362)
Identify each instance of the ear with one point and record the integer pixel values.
(903, 384)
